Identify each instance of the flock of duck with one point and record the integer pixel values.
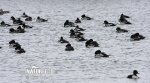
(79, 36)
(74, 33)
(20, 29)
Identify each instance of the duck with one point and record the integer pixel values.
(16, 21)
(77, 28)
(3, 12)
(91, 43)
(14, 44)
(62, 40)
(28, 19)
(24, 15)
(88, 43)
(69, 24)
(136, 37)
(107, 24)
(12, 18)
(119, 30)
(69, 48)
(39, 19)
(12, 30)
(73, 33)
(4, 24)
(134, 75)
(20, 30)
(123, 19)
(84, 17)
(17, 46)
(99, 54)
(77, 20)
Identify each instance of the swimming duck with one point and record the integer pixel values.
(99, 54)
(134, 75)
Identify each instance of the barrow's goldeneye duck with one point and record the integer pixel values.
(137, 37)
(69, 48)
(107, 24)
(77, 20)
(123, 19)
(84, 17)
(99, 54)
(119, 30)
(134, 75)
(69, 24)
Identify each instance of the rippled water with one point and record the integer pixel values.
(79, 66)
